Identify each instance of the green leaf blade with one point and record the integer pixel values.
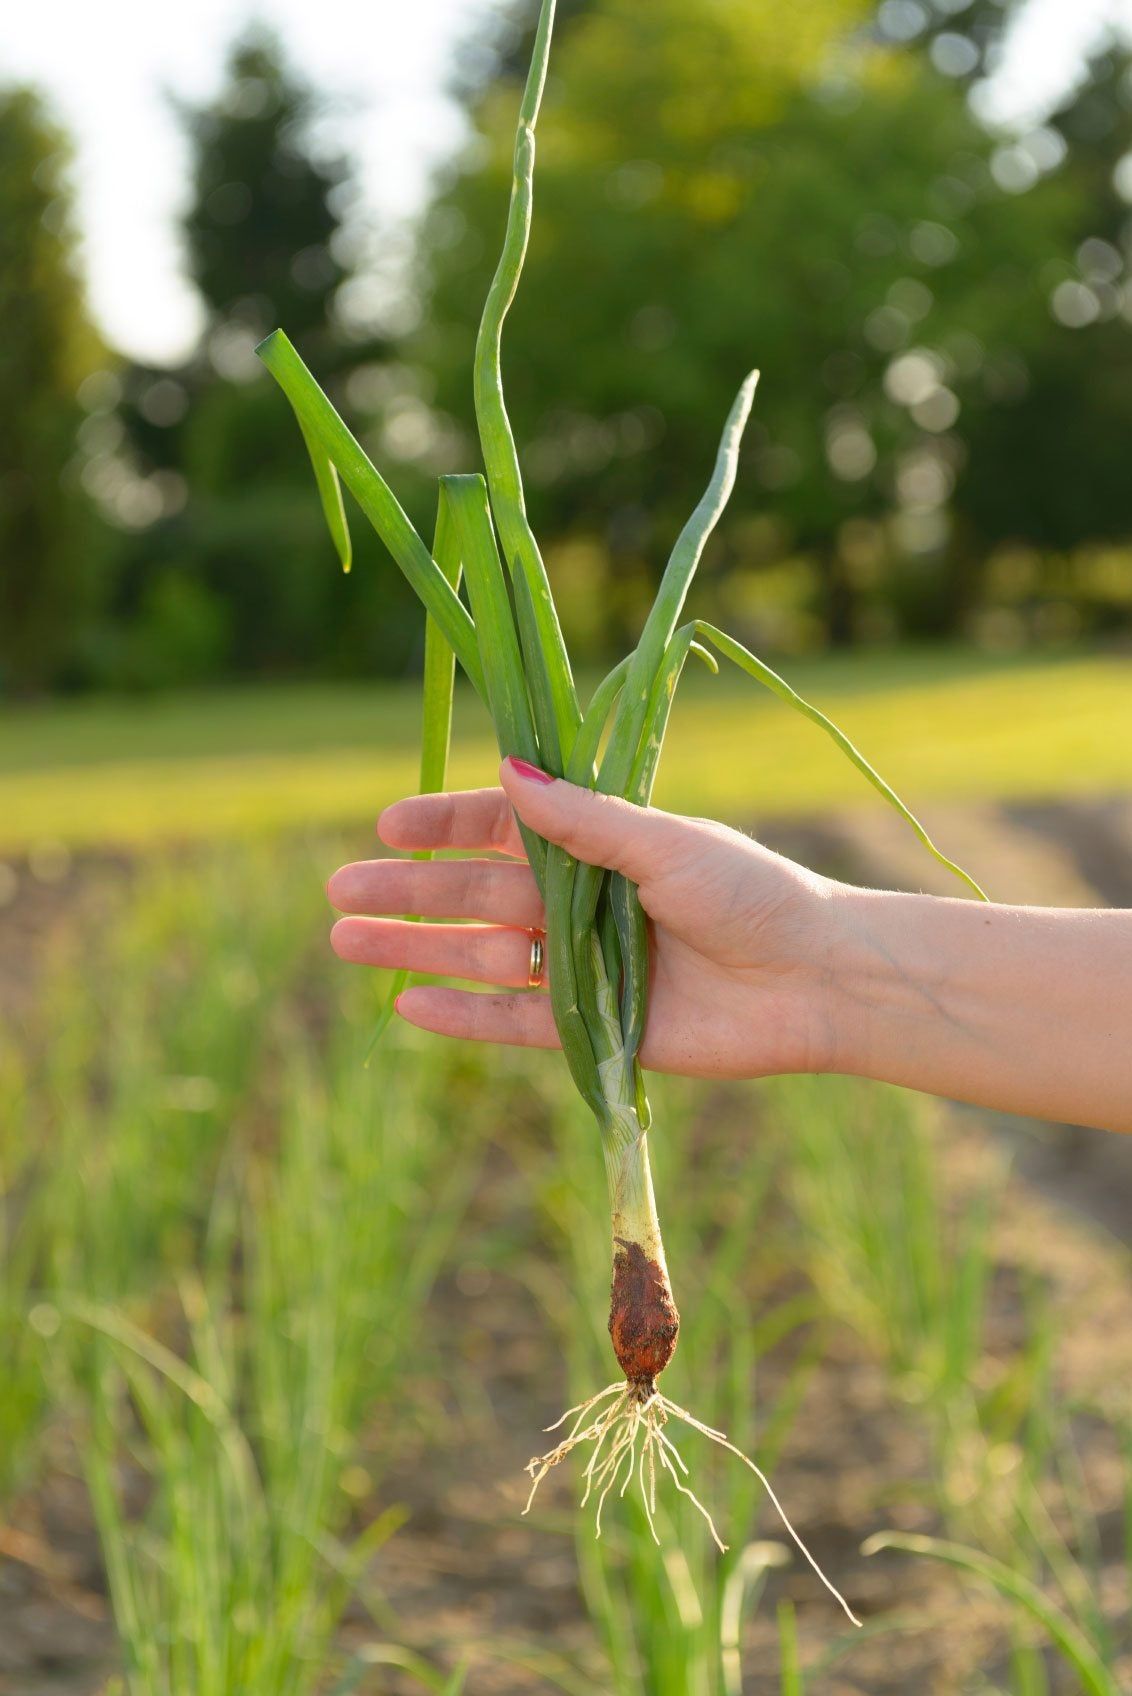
(624, 741)
(330, 494)
(746, 661)
(318, 419)
(557, 714)
(439, 685)
(1074, 1646)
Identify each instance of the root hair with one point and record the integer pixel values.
(614, 1427)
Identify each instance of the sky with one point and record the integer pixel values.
(110, 67)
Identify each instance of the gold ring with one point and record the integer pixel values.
(538, 956)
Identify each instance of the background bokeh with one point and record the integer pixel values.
(937, 294)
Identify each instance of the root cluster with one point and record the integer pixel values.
(626, 1422)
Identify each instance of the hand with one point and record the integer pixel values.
(742, 940)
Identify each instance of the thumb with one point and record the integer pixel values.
(602, 830)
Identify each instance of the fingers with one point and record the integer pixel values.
(525, 1021)
(440, 889)
(472, 818)
(600, 829)
(479, 953)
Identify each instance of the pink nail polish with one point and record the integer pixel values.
(522, 768)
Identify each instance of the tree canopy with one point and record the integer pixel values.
(50, 580)
(715, 191)
(261, 226)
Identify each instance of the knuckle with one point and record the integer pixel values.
(484, 957)
(684, 840)
(500, 835)
(467, 884)
(598, 822)
(445, 815)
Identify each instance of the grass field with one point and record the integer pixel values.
(939, 724)
(289, 1327)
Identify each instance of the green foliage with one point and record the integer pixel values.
(261, 227)
(1057, 477)
(911, 1263)
(1074, 1648)
(217, 1234)
(49, 547)
(232, 552)
(234, 1579)
(118, 1130)
(942, 326)
(829, 213)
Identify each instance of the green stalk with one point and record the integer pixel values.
(558, 716)
(602, 702)
(330, 494)
(495, 624)
(632, 928)
(537, 672)
(643, 1321)
(632, 708)
(319, 422)
(437, 689)
(507, 696)
(561, 869)
(621, 753)
(755, 668)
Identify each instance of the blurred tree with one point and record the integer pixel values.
(1058, 476)
(48, 540)
(234, 574)
(1044, 471)
(963, 38)
(715, 191)
(263, 221)
(516, 40)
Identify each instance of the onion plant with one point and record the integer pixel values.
(508, 640)
(301, 1317)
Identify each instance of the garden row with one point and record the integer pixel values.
(278, 1331)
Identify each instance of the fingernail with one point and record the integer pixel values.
(522, 768)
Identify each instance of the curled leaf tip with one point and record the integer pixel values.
(706, 656)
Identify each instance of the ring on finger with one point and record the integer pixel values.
(537, 960)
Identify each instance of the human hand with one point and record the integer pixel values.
(741, 939)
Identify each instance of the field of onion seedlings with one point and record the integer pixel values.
(278, 1332)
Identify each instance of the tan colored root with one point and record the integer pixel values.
(615, 1429)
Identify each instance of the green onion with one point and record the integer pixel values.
(439, 681)
(511, 647)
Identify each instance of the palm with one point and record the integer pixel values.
(728, 923)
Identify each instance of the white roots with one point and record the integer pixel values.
(614, 1430)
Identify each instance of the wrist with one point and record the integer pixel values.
(875, 982)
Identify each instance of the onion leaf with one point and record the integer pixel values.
(330, 494)
(1074, 1646)
(319, 421)
(746, 661)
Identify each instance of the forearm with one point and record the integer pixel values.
(1028, 1010)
